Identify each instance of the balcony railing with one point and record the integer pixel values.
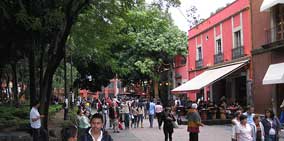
(274, 35)
(237, 52)
(199, 63)
(218, 58)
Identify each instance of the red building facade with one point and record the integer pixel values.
(268, 54)
(222, 40)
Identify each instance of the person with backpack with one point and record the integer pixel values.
(194, 122)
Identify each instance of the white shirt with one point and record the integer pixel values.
(271, 130)
(235, 124)
(158, 108)
(66, 103)
(244, 132)
(35, 114)
(94, 139)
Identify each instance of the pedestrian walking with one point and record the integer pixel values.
(134, 114)
(146, 108)
(104, 112)
(281, 118)
(96, 132)
(271, 126)
(167, 118)
(126, 115)
(140, 116)
(38, 132)
(84, 122)
(244, 130)
(249, 113)
(194, 122)
(151, 112)
(235, 123)
(258, 129)
(159, 110)
(113, 116)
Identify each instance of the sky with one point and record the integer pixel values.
(204, 8)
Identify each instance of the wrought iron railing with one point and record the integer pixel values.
(238, 52)
(199, 63)
(218, 58)
(274, 34)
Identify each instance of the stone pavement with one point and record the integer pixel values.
(208, 133)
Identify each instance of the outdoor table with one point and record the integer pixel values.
(223, 114)
(204, 114)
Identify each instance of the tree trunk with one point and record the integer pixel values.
(156, 88)
(15, 84)
(33, 96)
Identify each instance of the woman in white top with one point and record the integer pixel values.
(235, 123)
(140, 109)
(244, 130)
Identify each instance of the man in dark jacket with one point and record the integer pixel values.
(95, 133)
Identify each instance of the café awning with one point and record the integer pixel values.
(208, 77)
(274, 74)
(267, 4)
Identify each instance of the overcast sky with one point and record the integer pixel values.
(205, 7)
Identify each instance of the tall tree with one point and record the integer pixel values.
(44, 27)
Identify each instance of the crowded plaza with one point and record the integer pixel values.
(141, 70)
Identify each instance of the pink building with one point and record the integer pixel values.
(218, 62)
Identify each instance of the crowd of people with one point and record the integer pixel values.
(125, 113)
(98, 117)
(248, 126)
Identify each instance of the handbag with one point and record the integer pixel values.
(175, 125)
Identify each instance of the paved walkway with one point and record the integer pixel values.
(208, 133)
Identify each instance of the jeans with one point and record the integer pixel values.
(270, 138)
(140, 120)
(134, 121)
(159, 116)
(126, 120)
(105, 120)
(151, 119)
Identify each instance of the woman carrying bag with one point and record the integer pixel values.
(168, 119)
(271, 126)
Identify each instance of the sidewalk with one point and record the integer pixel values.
(210, 133)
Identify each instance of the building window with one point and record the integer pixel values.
(218, 57)
(218, 46)
(237, 39)
(199, 53)
(279, 19)
(199, 61)
(238, 50)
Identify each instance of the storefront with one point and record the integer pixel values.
(230, 80)
(274, 76)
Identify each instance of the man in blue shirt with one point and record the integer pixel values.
(250, 114)
(151, 112)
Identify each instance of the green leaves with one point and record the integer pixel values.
(134, 43)
(156, 39)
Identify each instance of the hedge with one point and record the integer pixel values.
(11, 116)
